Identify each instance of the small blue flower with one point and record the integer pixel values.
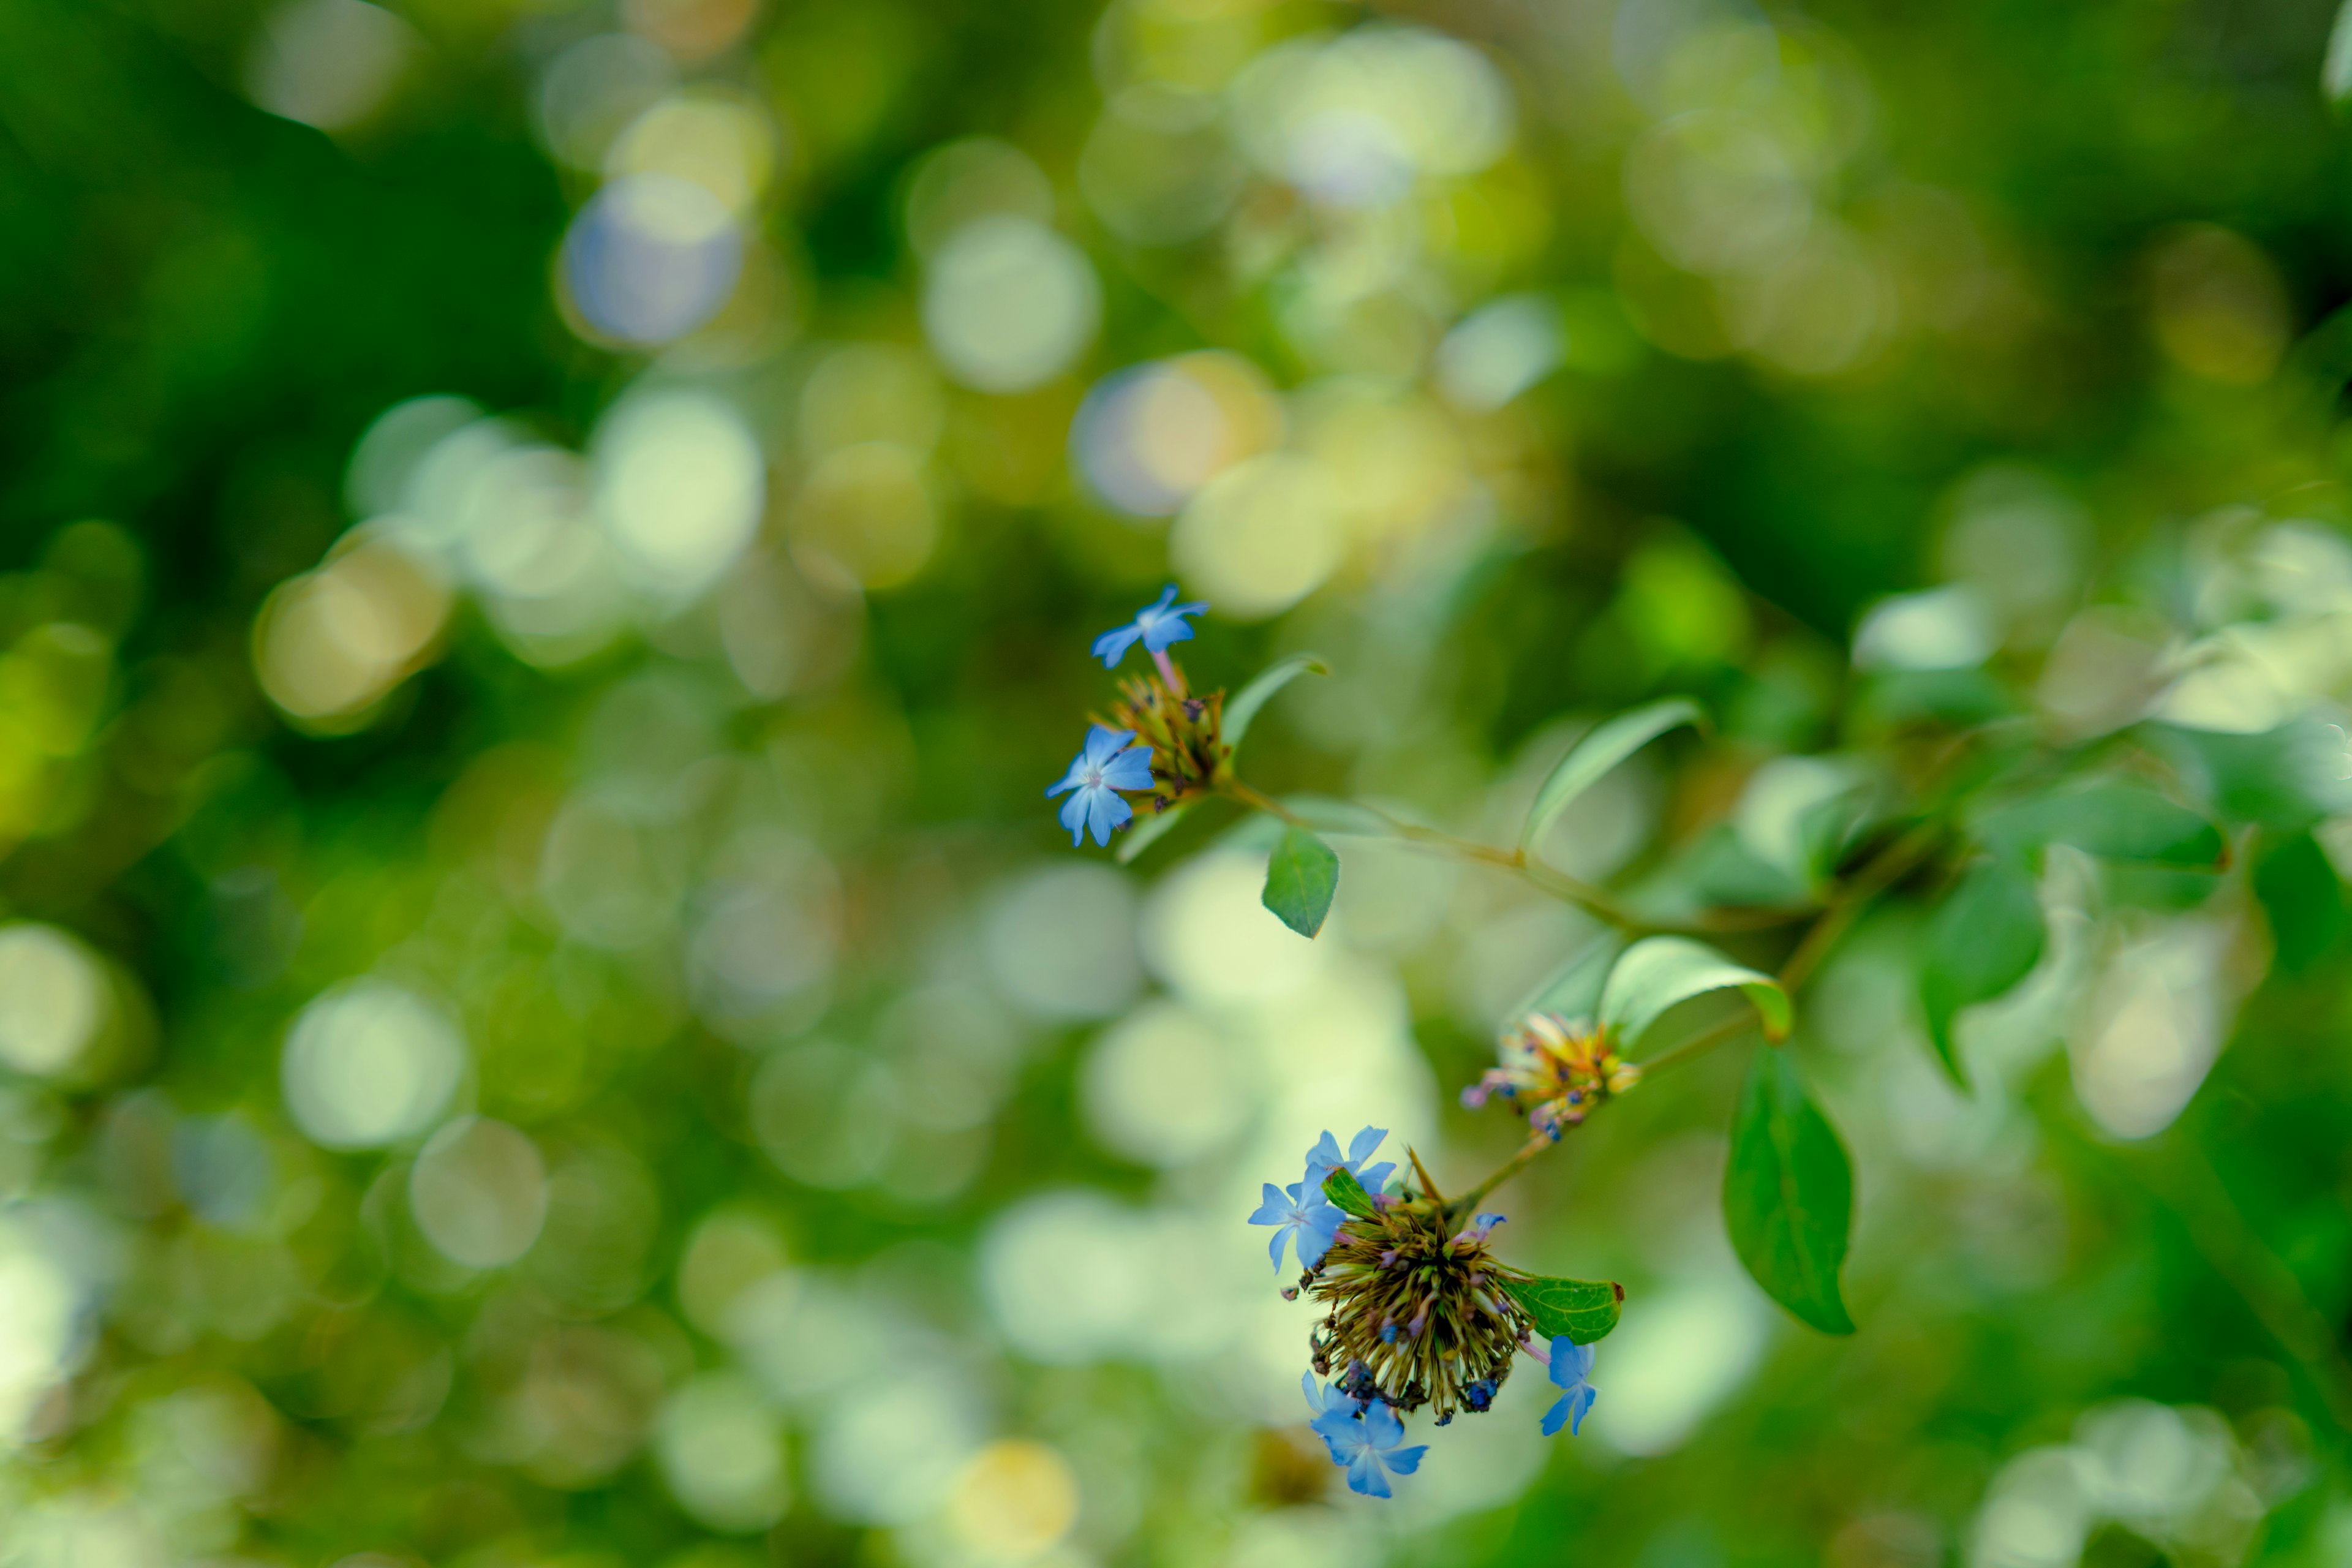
(1302, 1216)
(1156, 626)
(1109, 763)
(1369, 1447)
(1324, 1158)
(1571, 1364)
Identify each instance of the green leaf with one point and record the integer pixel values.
(1658, 972)
(2116, 819)
(1608, 743)
(1584, 1309)
(1985, 937)
(1574, 990)
(1148, 831)
(1242, 711)
(1348, 1195)
(1788, 1194)
(1300, 878)
(2304, 899)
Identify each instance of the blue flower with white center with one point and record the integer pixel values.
(1370, 1447)
(1325, 1158)
(1571, 1364)
(1301, 1216)
(1111, 761)
(1158, 626)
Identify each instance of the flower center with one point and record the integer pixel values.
(1092, 779)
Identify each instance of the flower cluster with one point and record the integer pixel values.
(1159, 740)
(1418, 1314)
(1554, 1071)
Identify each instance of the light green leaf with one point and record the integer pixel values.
(1300, 878)
(1148, 831)
(1608, 743)
(1985, 938)
(1788, 1194)
(1658, 972)
(1584, 1309)
(1347, 1194)
(1574, 990)
(2114, 819)
(1242, 711)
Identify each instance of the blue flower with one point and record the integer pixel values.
(1156, 626)
(1111, 761)
(1571, 1364)
(1304, 1216)
(1324, 1158)
(1369, 1446)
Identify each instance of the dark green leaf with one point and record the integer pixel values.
(1584, 1309)
(2301, 893)
(1242, 711)
(1788, 1194)
(1348, 1195)
(1984, 938)
(1608, 743)
(1300, 878)
(2116, 819)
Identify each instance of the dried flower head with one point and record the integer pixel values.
(1554, 1071)
(1418, 1314)
(1185, 733)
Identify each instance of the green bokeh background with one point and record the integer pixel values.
(2096, 248)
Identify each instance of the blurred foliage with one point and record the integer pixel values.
(547, 552)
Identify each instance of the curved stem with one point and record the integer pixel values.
(1882, 871)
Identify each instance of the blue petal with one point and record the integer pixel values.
(1131, 769)
(1074, 817)
(1366, 1144)
(1273, 1208)
(1571, 1363)
(1582, 1399)
(1103, 742)
(1555, 1418)
(1405, 1461)
(1106, 812)
(1325, 1154)
(1273, 1247)
(1381, 1427)
(1364, 1475)
(1167, 630)
(1374, 1177)
(1112, 646)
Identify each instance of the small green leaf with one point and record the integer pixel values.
(1148, 830)
(2114, 819)
(1242, 711)
(1788, 1194)
(1300, 878)
(1658, 972)
(1348, 1195)
(1985, 937)
(1607, 744)
(1584, 1309)
(1574, 990)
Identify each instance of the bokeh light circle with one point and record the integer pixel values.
(370, 1063)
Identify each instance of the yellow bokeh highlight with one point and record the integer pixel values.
(1016, 1499)
(330, 644)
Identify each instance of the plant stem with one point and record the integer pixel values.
(1536, 1145)
(1884, 870)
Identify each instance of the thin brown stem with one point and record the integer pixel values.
(1266, 802)
(1536, 1145)
(1428, 1187)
